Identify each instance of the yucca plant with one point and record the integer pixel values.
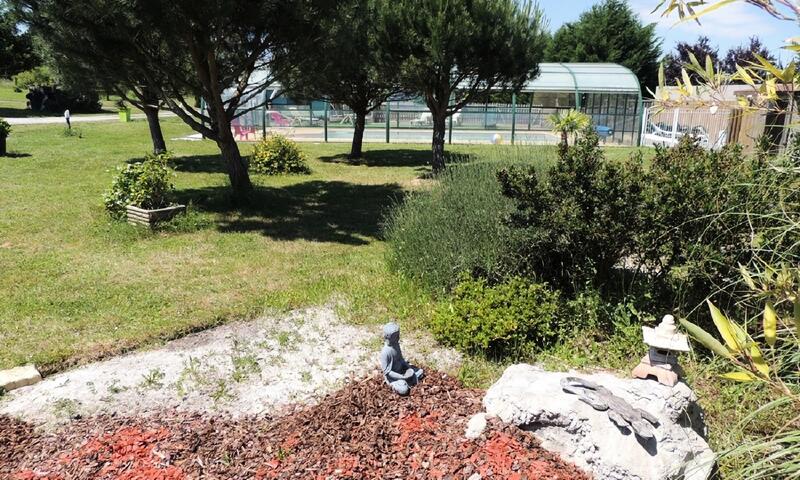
(569, 123)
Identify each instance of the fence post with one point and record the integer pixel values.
(264, 121)
(513, 116)
(675, 123)
(325, 121)
(450, 134)
(388, 120)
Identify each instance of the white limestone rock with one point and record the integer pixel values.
(533, 399)
(476, 426)
(19, 377)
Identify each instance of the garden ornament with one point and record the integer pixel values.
(620, 412)
(396, 371)
(661, 361)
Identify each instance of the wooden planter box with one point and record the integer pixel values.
(140, 216)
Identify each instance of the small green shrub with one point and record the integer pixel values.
(70, 132)
(146, 184)
(456, 227)
(277, 155)
(5, 129)
(35, 77)
(511, 319)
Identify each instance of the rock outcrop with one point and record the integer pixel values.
(534, 400)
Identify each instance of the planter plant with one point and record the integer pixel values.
(142, 192)
(5, 131)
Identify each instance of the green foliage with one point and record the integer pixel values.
(146, 184)
(793, 147)
(340, 61)
(610, 32)
(706, 212)
(35, 77)
(455, 227)
(569, 123)
(769, 365)
(17, 52)
(578, 222)
(604, 332)
(483, 43)
(69, 132)
(5, 128)
(763, 147)
(512, 319)
(674, 62)
(278, 155)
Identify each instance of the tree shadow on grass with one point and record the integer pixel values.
(320, 211)
(395, 158)
(16, 155)
(198, 164)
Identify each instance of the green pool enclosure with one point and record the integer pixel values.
(609, 93)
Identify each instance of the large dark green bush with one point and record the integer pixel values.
(577, 222)
(276, 155)
(146, 184)
(707, 212)
(513, 319)
(56, 100)
(455, 227)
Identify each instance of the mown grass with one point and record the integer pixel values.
(76, 285)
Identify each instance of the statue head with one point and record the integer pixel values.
(391, 332)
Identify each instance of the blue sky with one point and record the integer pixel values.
(726, 27)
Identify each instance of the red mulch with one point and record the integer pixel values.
(363, 431)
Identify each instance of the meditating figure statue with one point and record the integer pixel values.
(396, 371)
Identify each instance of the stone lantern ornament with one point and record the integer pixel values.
(661, 361)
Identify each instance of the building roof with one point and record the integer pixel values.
(553, 77)
(584, 77)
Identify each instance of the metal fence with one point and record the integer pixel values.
(714, 127)
(408, 122)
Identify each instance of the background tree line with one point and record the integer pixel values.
(167, 55)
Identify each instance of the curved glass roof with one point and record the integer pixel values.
(584, 77)
(562, 77)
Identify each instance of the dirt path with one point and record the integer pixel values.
(246, 368)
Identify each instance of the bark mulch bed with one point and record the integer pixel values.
(363, 431)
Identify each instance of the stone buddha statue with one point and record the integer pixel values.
(396, 371)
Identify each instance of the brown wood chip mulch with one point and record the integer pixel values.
(362, 431)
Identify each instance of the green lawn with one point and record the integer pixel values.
(76, 285)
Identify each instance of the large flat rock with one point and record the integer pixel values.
(19, 377)
(533, 399)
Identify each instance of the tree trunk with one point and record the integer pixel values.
(3, 146)
(439, 130)
(358, 135)
(237, 170)
(159, 145)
